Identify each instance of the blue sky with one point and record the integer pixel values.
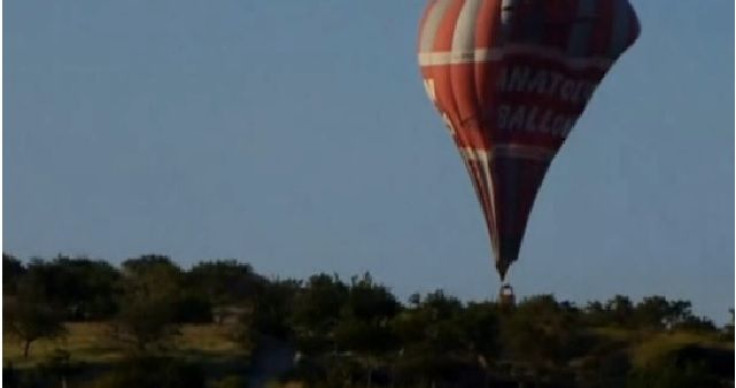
(297, 136)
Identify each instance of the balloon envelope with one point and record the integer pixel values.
(510, 79)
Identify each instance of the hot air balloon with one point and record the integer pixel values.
(510, 79)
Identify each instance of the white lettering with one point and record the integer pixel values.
(517, 119)
(518, 79)
(524, 79)
(530, 127)
(554, 84)
(538, 83)
(544, 123)
(529, 119)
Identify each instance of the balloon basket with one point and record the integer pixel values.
(506, 297)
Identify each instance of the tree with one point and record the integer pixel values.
(446, 342)
(430, 324)
(544, 333)
(596, 314)
(369, 301)
(151, 290)
(654, 312)
(317, 310)
(679, 311)
(319, 304)
(443, 333)
(273, 307)
(13, 270)
(96, 288)
(145, 323)
(728, 328)
(415, 299)
(620, 310)
(481, 327)
(79, 288)
(224, 283)
(696, 324)
(363, 337)
(29, 318)
(364, 324)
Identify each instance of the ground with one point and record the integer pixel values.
(91, 342)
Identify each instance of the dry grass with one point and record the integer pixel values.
(89, 342)
(647, 347)
(92, 342)
(655, 347)
(290, 384)
(209, 340)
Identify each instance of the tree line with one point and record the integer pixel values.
(356, 332)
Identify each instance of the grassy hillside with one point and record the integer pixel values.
(354, 332)
(92, 342)
(655, 347)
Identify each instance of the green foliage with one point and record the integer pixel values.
(363, 337)
(652, 313)
(442, 340)
(658, 313)
(29, 317)
(364, 319)
(318, 306)
(368, 301)
(696, 324)
(224, 282)
(79, 288)
(13, 270)
(273, 307)
(152, 287)
(440, 306)
(192, 307)
(144, 323)
(544, 332)
(435, 324)
(480, 323)
(620, 311)
(352, 333)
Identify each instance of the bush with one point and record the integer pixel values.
(192, 308)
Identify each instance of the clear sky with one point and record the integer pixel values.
(296, 135)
